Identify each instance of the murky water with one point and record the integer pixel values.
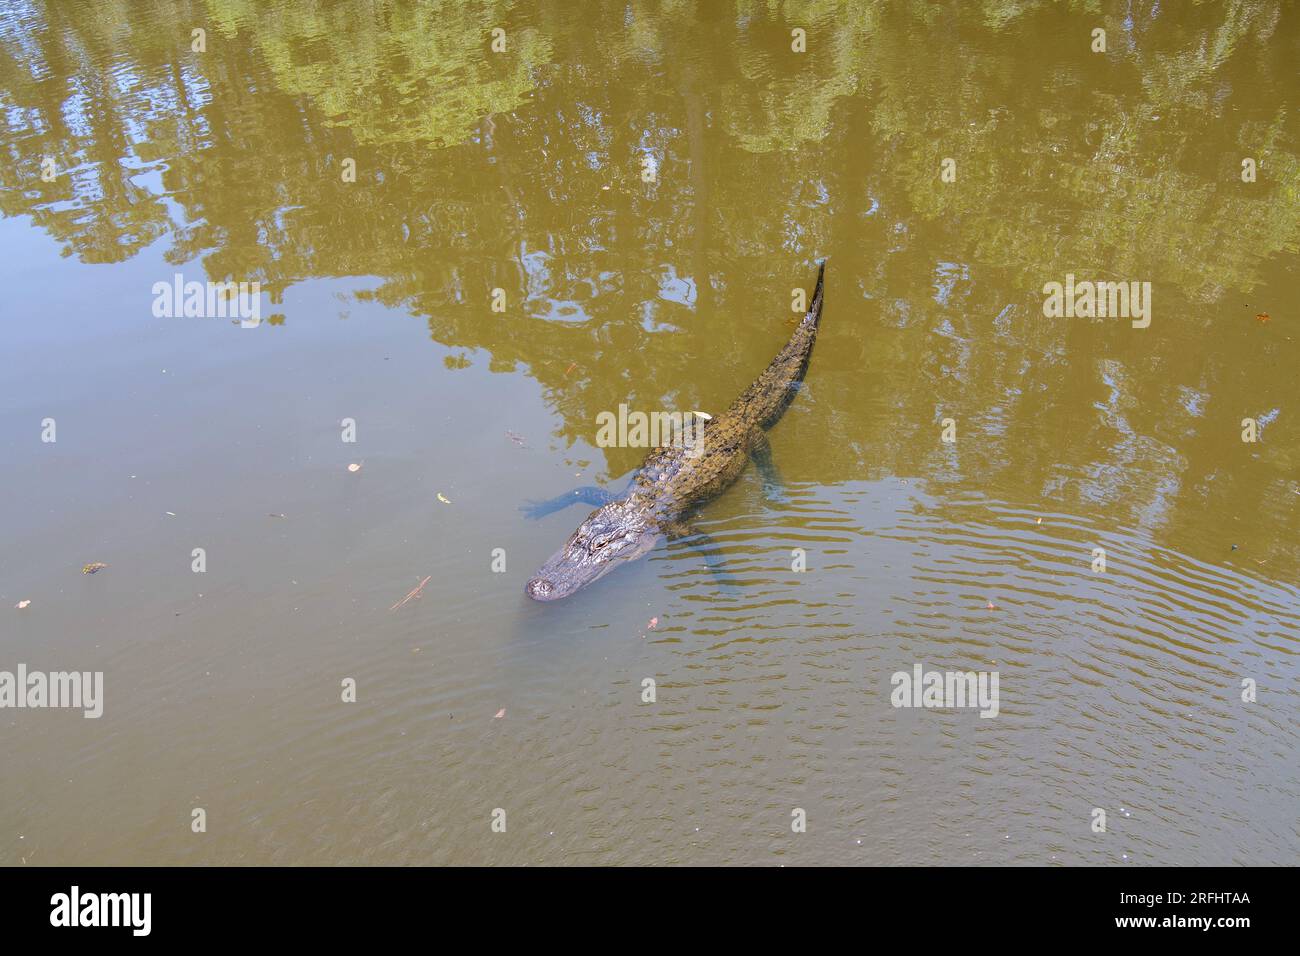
(646, 184)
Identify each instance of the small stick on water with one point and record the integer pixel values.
(415, 592)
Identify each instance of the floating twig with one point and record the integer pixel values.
(415, 592)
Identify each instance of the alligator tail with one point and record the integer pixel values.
(814, 316)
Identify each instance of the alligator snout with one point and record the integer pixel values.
(540, 589)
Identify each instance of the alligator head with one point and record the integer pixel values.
(613, 534)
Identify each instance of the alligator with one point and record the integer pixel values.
(675, 480)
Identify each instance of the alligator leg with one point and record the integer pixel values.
(709, 549)
(587, 495)
(761, 452)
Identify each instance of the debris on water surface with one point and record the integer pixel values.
(92, 568)
(516, 438)
(499, 714)
(354, 467)
(445, 501)
(572, 366)
(991, 606)
(415, 592)
(22, 604)
(1262, 317)
(654, 622)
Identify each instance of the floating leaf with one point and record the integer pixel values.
(445, 501)
(1262, 317)
(92, 568)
